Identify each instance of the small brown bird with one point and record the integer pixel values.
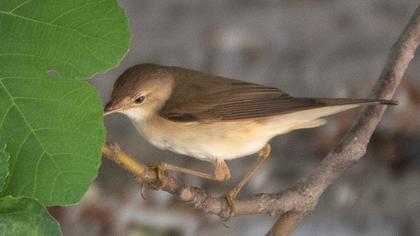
(214, 118)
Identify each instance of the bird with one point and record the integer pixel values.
(213, 118)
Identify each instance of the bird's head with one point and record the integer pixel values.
(140, 91)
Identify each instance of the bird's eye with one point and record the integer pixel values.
(139, 100)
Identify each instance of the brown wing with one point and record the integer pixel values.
(206, 98)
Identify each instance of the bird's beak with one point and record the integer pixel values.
(110, 108)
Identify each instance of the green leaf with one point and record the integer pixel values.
(25, 216)
(76, 38)
(4, 165)
(53, 127)
(54, 132)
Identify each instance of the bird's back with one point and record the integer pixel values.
(200, 97)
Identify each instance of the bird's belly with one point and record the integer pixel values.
(214, 148)
(209, 150)
(208, 141)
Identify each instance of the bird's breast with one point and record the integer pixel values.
(205, 141)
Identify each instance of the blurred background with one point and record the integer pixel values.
(327, 48)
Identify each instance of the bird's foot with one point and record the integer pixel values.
(230, 198)
(160, 170)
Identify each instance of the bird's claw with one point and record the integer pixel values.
(143, 190)
(230, 198)
(160, 175)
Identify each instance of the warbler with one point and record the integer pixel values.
(213, 118)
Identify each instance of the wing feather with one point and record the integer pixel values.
(206, 98)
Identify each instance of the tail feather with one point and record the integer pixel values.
(316, 108)
(348, 101)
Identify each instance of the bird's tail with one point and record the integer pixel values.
(320, 107)
(312, 111)
(347, 101)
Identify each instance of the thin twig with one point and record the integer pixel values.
(287, 225)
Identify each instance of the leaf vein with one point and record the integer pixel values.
(36, 56)
(20, 5)
(37, 172)
(61, 27)
(74, 9)
(94, 20)
(5, 115)
(32, 131)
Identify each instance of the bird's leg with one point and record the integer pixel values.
(221, 173)
(231, 195)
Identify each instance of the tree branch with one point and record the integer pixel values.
(353, 146)
(292, 204)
